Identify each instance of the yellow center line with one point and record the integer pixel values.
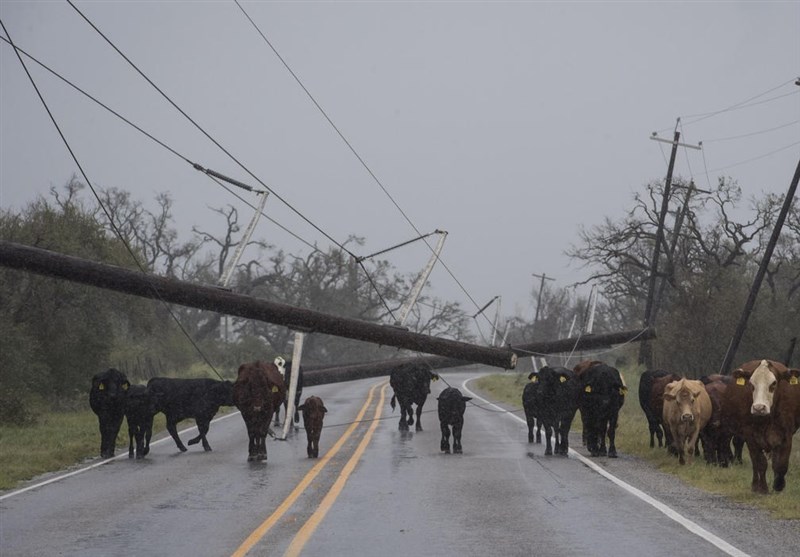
(265, 526)
(311, 524)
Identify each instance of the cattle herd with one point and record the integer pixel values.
(258, 392)
(758, 404)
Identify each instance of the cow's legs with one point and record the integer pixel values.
(445, 444)
(780, 465)
(612, 435)
(419, 416)
(759, 460)
(405, 414)
(531, 425)
(202, 428)
(548, 431)
(457, 436)
(173, 430)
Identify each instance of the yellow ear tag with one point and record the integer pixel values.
(793, 380)
(274, 389)
(534, 379)
(562, 379)
(435, 379)
(125, 386)
(623, 391)
(740, 381)
(101, 387)
(588, 389)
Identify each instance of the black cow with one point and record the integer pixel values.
(556, 402)
(180, 399)
(313, 415)
(287, 377)
(529, 399)
(653, 420)
(602, 395)
(411, 384)
(108, 398)
(451, 414)
(139, 414)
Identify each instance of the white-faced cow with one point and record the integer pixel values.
(412, 385)
(762, 404)
(687, 410)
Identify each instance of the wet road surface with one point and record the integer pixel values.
(374, 491)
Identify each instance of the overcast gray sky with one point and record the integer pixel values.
(508, 124)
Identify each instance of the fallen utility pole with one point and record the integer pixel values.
(43, 262)
(381, 368)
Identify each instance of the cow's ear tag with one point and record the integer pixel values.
(534, 379)
(793, 380)
(623, 391)
(562, 379)
(125, 386)
(274, 389)
(588, 389)
(740, 381)
(435, 378)
(101, 387)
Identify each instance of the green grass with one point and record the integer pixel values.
(56, 441)
(633, 438)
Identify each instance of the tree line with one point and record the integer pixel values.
(57, 334)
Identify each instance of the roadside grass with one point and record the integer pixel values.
(633, 438)
(56, 441)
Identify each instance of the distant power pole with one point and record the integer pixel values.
(646, 350)
(544, 277)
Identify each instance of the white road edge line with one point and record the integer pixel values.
(658, 505)
(123, 454)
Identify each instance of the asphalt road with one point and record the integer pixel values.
(376, 491)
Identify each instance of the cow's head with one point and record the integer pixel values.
(764, 381)
(683, 395)
(280, 363)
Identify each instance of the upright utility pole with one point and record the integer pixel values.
(762, 269)
(544, 277)
(646, 350)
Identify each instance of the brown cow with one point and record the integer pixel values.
(656, 402)
(762, 404)
(716, 438)
(313, 414)
(256, 393)
(687, 409)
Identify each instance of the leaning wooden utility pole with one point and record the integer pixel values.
(43, 262)
(645, 349)
(733, 346)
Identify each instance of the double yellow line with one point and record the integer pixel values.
(304, 534)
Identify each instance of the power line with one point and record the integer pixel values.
(751, 134)
(353, 150)
(741, 104)
(100, 202)
(756, 158)
(205, 133)
(215, 142)
(157, 141)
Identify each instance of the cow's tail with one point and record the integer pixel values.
(394, 398)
